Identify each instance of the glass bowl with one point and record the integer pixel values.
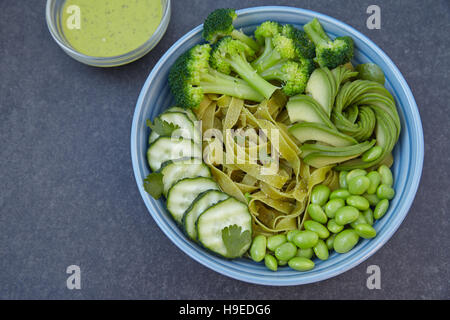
(53, 16)
(408, 154)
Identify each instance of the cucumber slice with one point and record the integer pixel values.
(200, 204)
(176, 170)
(305, 108)
(166, 148)
(187, 128)
(184, 192)
(313, 131)
(191, 115)
(223, 214)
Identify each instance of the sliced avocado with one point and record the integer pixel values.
(355, 149)
(320, 88)
(313, 131)
(305, 108)
(318, 160)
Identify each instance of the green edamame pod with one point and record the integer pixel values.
(330, 242)
(385, 192)
(372, 154)
(306, 239)
(301, 264)
(346, 215)
(305, 253)
(290, 235)
(339, 194)
(343, 179)
(320, 194)
(355, 173)
(332, 206)
(386, 175)
(358, 202)
(375, 180)
(285, 251)
(334, 227)
(276, 240)
(318, 228)
(321, 250)
(361, 220)
(368, 215)
(270, 262)
(345, 241)
(381, 209)
(365, 231)
(258, 248)
(358, 185)
(372, 198)
(316, 213)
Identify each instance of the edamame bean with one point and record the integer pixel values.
(282, 263)
(355, 173)
(290, 235)
(320, 194)
(370, 71)
(334, 227)
(332, 206)
(385, 192)
(274, 241)
(330, 242)
(316, 213)
(345, 241)
(301, 264)
(368, 215)
(361, 219)
(339, 194)
(381, 209)
(285, 251)
(375, 180)
(306, 239)
(358, 202)
(365, 231)
(358, 185)
(386, 175)
(321, 250)
(346, 215)
(318, 228)
(305, 253)
(258, 248)
(372, 198)
(270, 262)
(343, 179)
(372, 154)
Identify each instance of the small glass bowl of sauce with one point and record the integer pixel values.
(107, 33)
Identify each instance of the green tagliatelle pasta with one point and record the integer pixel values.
(275, 183)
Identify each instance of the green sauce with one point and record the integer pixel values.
(106, 28)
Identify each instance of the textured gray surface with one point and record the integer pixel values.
(68, 195)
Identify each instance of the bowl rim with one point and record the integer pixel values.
(112, 61)
(352, 260)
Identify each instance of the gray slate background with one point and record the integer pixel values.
(67, 190)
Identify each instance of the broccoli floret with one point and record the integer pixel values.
(219, 24)
(191, 77)
(293, 75)
(281, 43)
(304, 46)
(229, 55)
(329, 53)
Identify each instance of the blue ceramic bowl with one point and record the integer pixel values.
(155, 97)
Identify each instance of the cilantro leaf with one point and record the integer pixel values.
(161, 127)
(248, 196)
(235, 240)
(153, 184)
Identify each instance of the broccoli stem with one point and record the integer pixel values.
(219, 83)
(274, 73)
(238, 35)
(268, 58)
(240, 64)
(315, 31)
